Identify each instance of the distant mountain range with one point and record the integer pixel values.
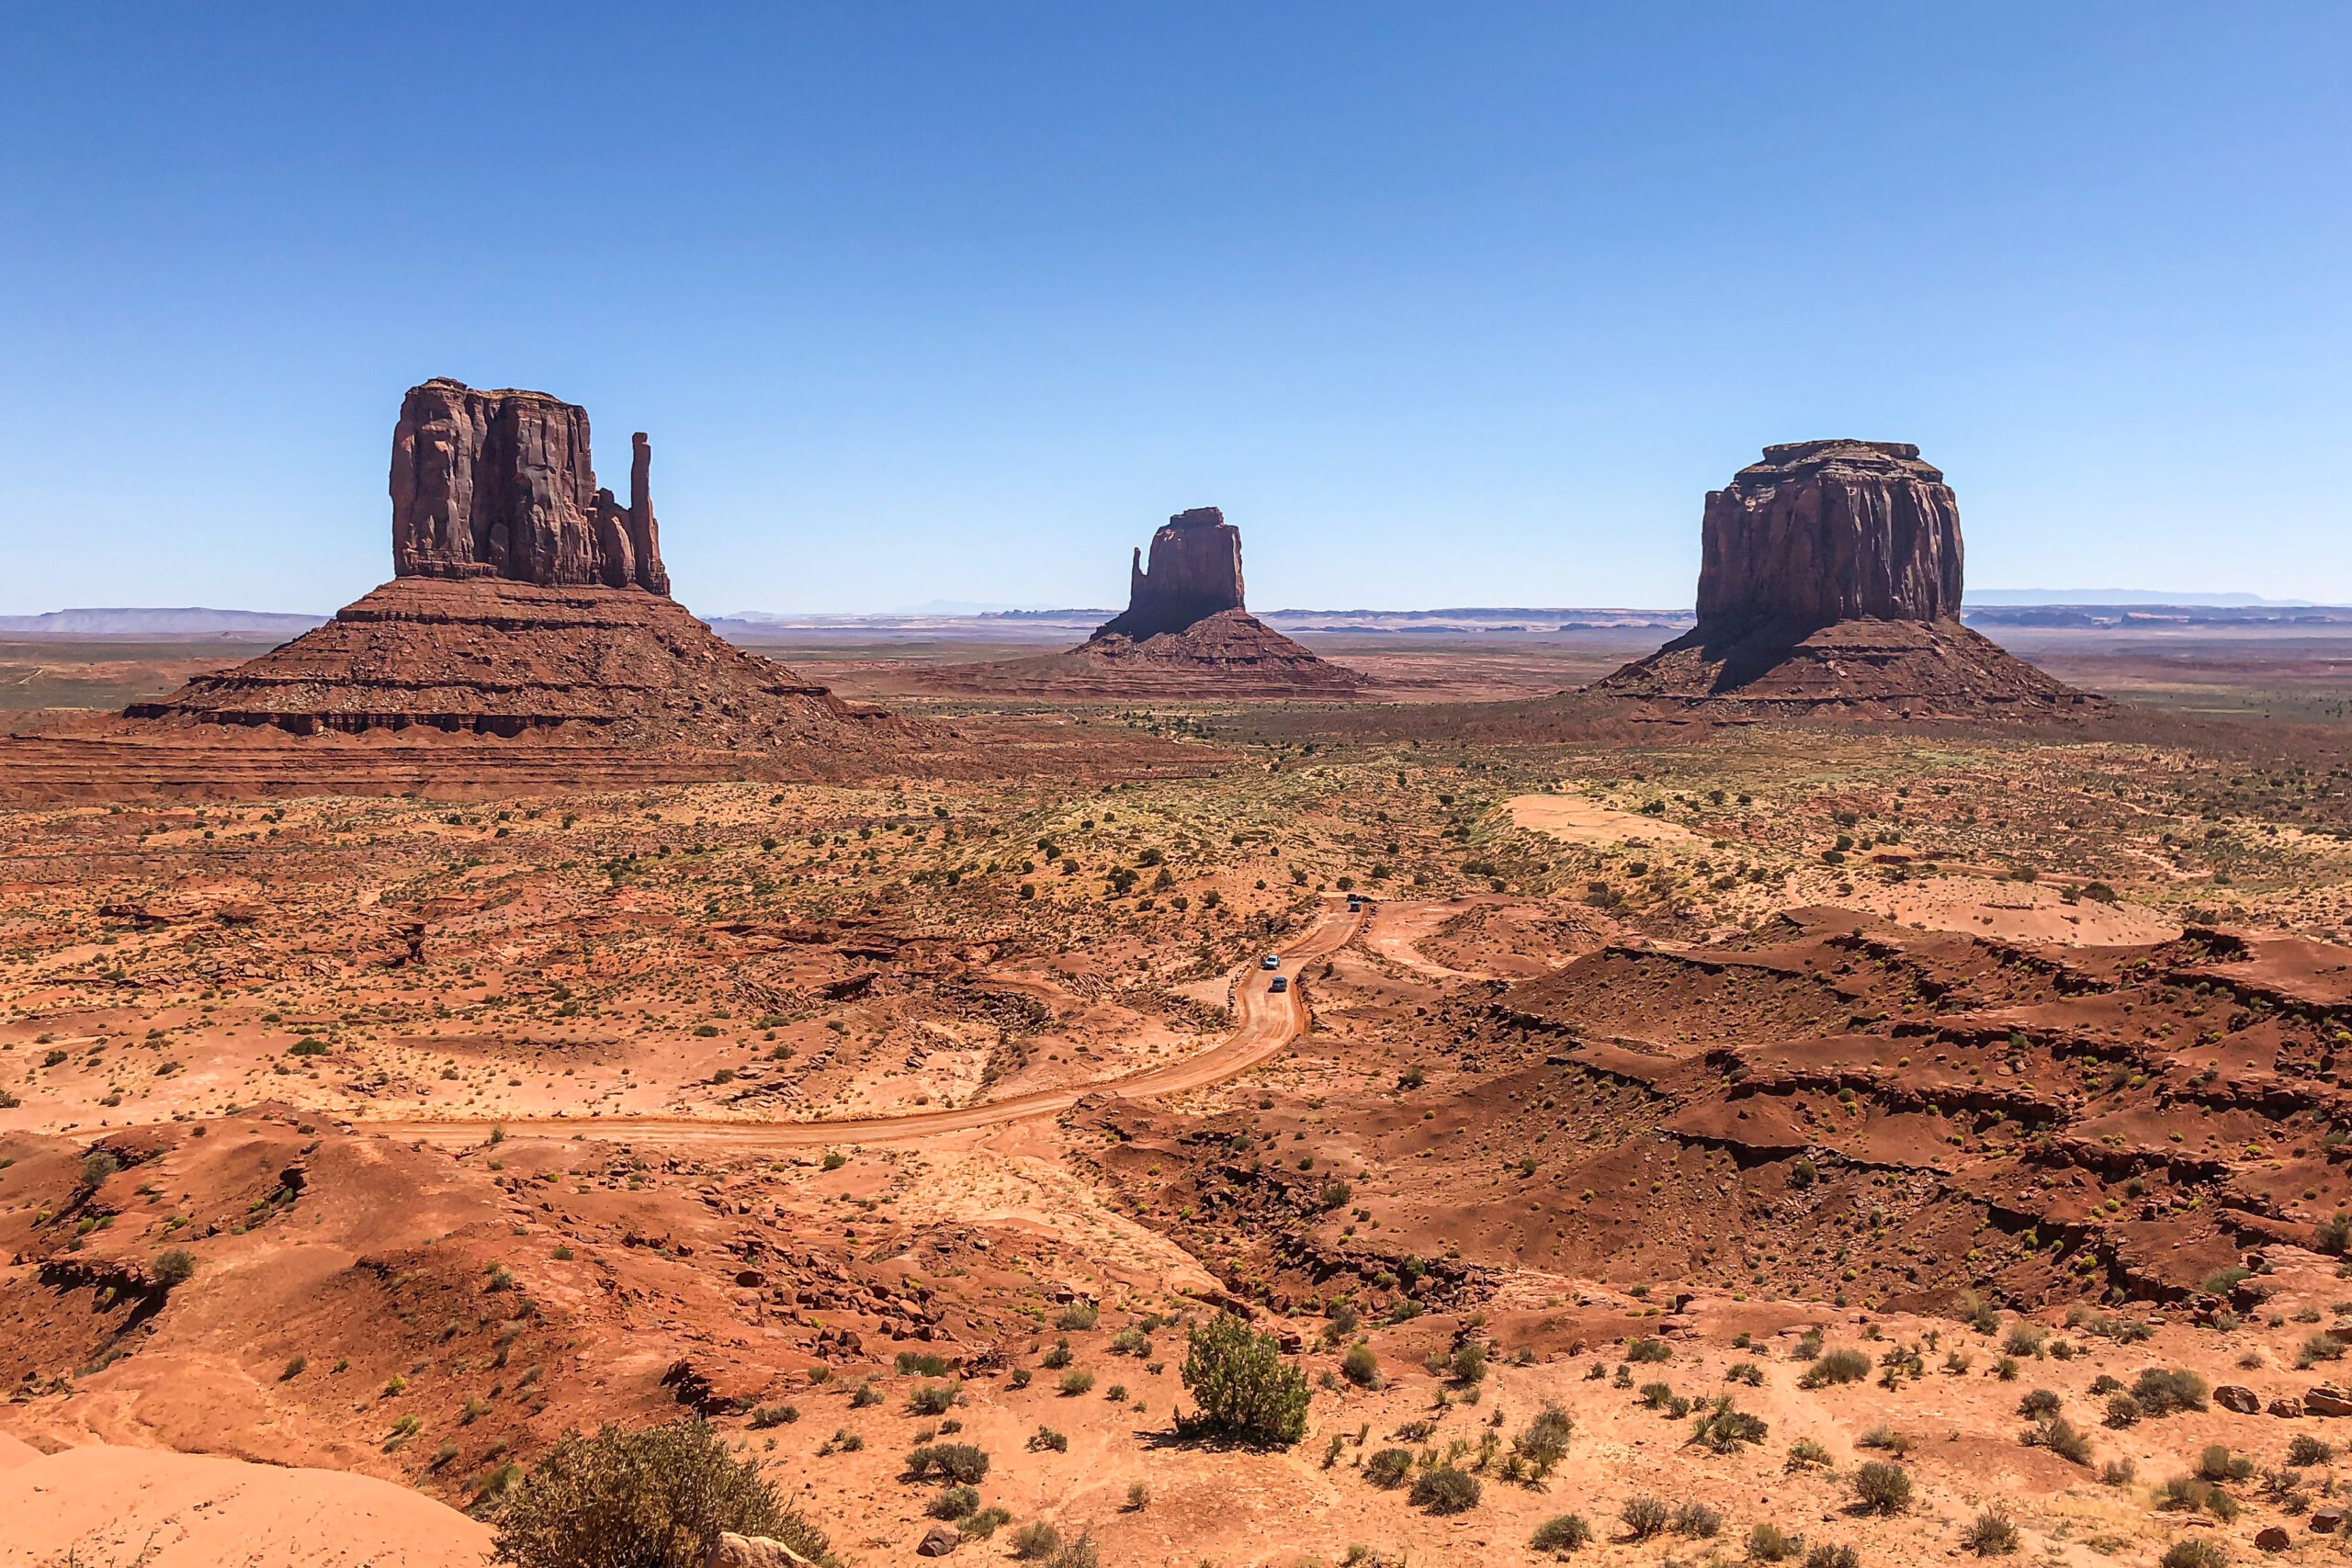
(2122, 597)
(188, 622)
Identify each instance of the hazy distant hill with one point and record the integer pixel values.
(189, 622)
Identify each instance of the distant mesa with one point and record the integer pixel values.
(524, 600)
(1830, 581)
(1185, 633)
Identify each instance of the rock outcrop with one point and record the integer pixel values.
(1829, 582)
(1184, 634)
(501, 484)
(526, 600)
(1195, 572)
(1827, 531)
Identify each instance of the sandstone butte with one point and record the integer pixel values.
(1186, 632)
(1829, 582)
(526, 601)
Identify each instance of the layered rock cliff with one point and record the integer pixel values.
(1195, 572)
(501, 484)
(1827, 531)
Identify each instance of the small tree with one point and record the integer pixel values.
(1884, 1488)
(1242, 1385)
(654, 1498)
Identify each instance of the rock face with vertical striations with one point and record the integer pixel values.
(1827, 531)
(524, 600)
(1195, 572)
(499, 484)
(1829, 582)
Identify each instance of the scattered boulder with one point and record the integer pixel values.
(2229, 1396)
(938, 1542)
(2327, 1400)
(732, 1550)
(2327, 1520)
(2270, 1539)
(2287, 1406)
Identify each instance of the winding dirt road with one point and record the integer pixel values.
(1269, 1023)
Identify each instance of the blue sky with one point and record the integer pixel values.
(1445, 305)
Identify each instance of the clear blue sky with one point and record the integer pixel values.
(1444, 304)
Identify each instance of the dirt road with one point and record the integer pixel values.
(1268, 1023)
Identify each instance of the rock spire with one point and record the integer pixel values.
(1195, 572)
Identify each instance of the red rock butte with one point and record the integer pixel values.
(1829, 582)
(526, 600)
(1185, 633)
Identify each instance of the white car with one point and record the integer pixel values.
(1272, 961)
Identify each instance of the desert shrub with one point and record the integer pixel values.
(1658, 1395)
(2319, 1347)
(769, 1415)
(2306, 1450)
(955, 1503)
(2006, 1369)
(1979, 1314)
(2162, 1391)
(1883, 1488)
(1833, 1557)
(2193, 1552)
(1836, 1367)
(1991, 1533)
(1885, 1438)
(1748, 1373)
(865, 1395)
(984, 1524)
(2023, 1339)
(963, 1463)
(1806, 1454)
(1545, 1442)
(2104, 1383)
(2122, 1411)
(1643, 1518)
(294, 1369)
(2042, 1402)
(1077, 1318)
(644, 1499)
(1723, 1428)
(1443, 1489)
(1698, 1521)
(1469, 1363)
(1767, 1542)
(1138, 1497)
(1130, 1341)
(2062, 1438)
(1388, 1468)
(1035, 1539)
(2118, 1472)
(1645, 1350)
(1361, 1367)
(1056, 1358)
(933, 1399)
(1075, 1382)
(2189, 1494)
(2335, 1234)
(1561, 1532)
(925, 1362)
(175, 1268)
(1242, 1385)
(2217, 1464)
(1046, 1438)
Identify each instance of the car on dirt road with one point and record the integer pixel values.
(1282, 982)
(1272, 961)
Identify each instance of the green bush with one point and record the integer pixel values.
(924, 1363)
(1561, 1532)
(1361, 1367)
(1768, 1542)
(175, 1268)
(1544, 1443)
(1388, 1468)
(1035, 1539)
(2024, 1339)
(1077, 1318)
(1723, 1428)
(1645, 1350)
(1643, 1518)
(2063, 1437)
(1833, 1557)
(1991, 1533)
(1443, 1489)
(1076, 1381)
(2042, 1402)
(1883, 1488)
(964, 1463)
(1697, 1521)
(1806, 1454)
(1837, 1366)
(1243, 1387)
(650, 1499)
(2162, 1391)
(2305, 1450)
(2217, 1464)
(933, 1399)
(955, 1503)
(2193, 1552)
